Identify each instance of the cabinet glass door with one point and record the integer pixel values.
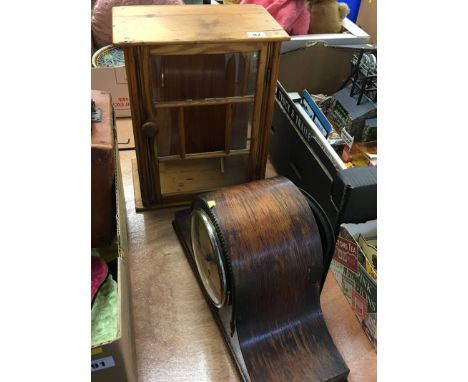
(204, 102)
(203, 105)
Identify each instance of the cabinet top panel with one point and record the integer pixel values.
(176, 24)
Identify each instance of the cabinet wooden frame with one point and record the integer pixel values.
(138, 56)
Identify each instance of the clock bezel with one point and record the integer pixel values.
(217, 298)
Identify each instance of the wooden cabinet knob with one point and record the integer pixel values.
(150, 129)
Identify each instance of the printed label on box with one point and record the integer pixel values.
(370, 326)
(337, 269)
(358, 286)
(367, 287)
(359, 304)
(102, 363)
(346, 252)
(121, 103)
(348, 282)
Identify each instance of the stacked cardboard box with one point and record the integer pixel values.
(114, 360)
(356, 273)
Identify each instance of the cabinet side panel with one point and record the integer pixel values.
(268, 104)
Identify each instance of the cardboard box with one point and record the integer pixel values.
(115, 360)
(301, 153)
(114, 81)
(356, 275)
(367, 19)
(351, 35)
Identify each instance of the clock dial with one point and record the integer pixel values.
(208, 257)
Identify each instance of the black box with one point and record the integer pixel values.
(347, 195)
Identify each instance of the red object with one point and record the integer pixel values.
(292, 15)
(99, 272)
(359, 305)
(346, 253)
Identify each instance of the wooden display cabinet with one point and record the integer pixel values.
(201, 81)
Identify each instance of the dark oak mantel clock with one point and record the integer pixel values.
(201, 80)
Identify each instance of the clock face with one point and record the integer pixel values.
(208, 257)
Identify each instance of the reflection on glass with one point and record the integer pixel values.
(200, 174)
(198, 77)
(204, 128)
(242, 115)
(185, 77)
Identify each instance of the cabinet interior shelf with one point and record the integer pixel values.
(204, 102)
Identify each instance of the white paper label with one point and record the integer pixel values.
(347, 138)
(256, 34)
(102, 363)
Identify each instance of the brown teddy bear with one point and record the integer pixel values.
(326, 16)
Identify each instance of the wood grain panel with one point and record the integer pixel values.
(267, 113)
(161, 25)
(204, 49)
(273, 252)
(149, 184)
(256, 120)
(205, 102)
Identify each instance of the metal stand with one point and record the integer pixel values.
(363, 75)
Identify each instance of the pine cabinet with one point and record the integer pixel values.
(201, 81)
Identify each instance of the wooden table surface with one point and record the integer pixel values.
(176, 338)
